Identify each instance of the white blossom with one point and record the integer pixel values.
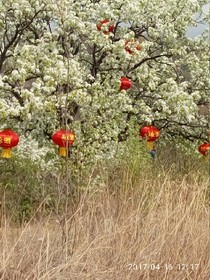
(59, 65)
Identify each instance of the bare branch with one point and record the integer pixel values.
(147, 59)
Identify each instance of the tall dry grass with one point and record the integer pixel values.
(130, 226)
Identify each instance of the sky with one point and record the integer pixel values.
(197, 30)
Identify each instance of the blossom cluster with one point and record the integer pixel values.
(57, 69)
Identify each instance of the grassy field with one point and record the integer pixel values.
(150, 222)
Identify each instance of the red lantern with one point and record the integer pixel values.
(64, 139)
(8, 140)
(150, 133)
(125, 83)
(130, 45)
(204, 149)
(109, 26)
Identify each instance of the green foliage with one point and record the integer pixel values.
(27, 190)
(22, 189)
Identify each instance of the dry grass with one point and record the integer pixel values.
(116, 232)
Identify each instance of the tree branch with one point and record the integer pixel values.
(147, 59)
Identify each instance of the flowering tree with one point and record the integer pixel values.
(61, 62)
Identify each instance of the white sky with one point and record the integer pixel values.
(195, 31)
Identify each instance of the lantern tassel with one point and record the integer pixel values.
(6, 153)
(153, 154)
(150, 145)
(62, 151)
